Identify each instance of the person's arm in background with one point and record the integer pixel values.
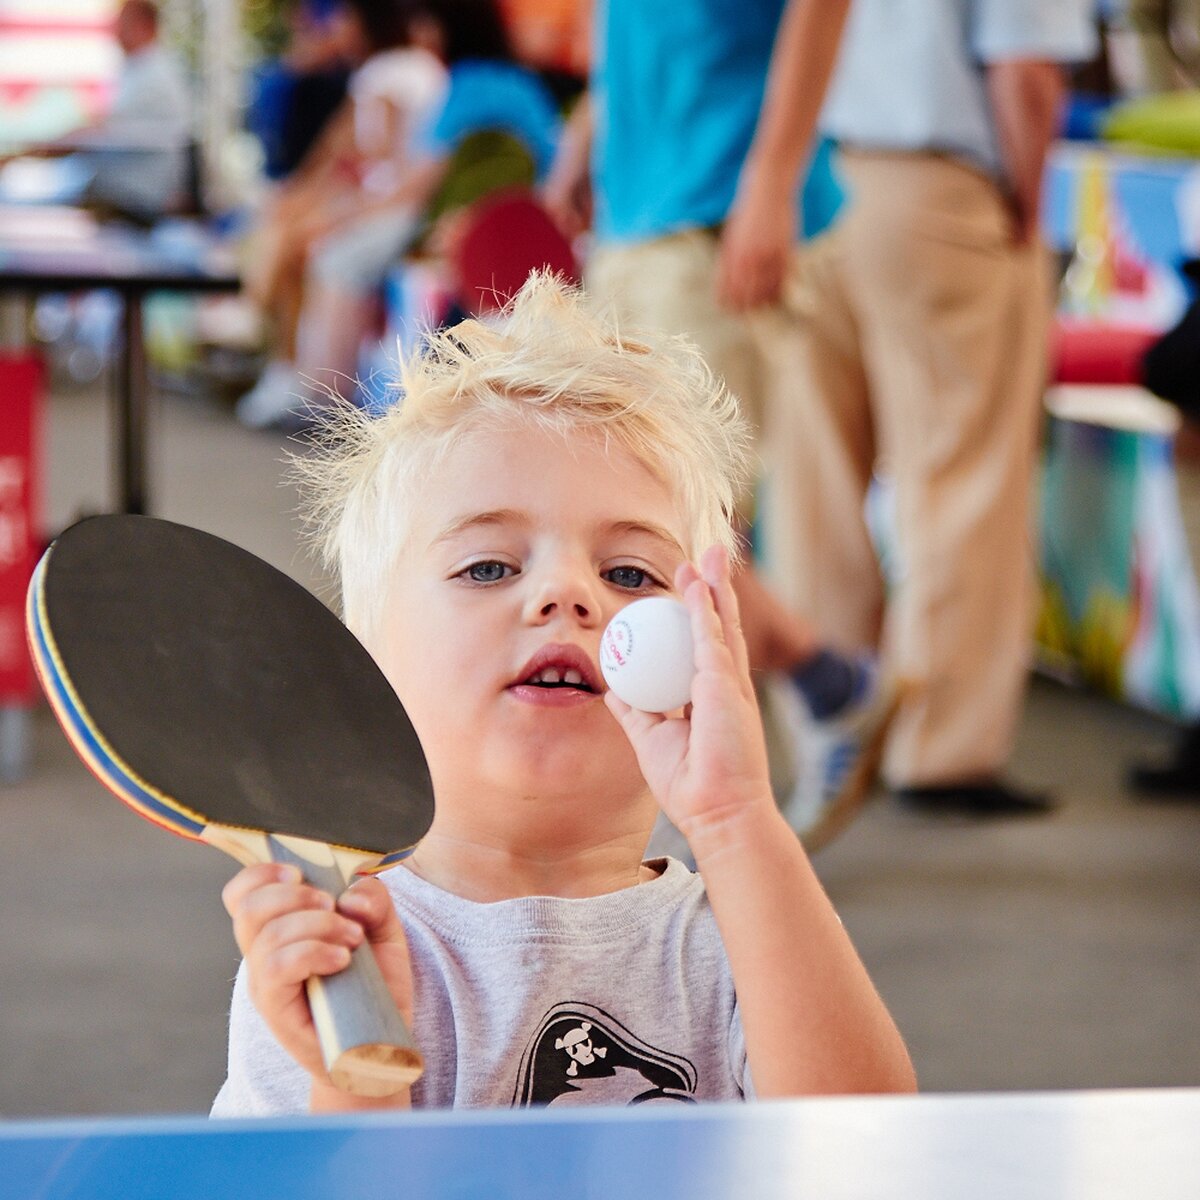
(1027, 97)
(412, 191)
(65, 143)
(567, 192)
(760, 231)
(333, 144)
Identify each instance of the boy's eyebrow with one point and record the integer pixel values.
(511, 516)
(652, 530)
(495, 516)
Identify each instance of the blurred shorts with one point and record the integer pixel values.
(357, 257)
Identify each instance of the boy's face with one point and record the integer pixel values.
(524, 547)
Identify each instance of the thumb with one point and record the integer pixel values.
(634, 721)
(367, 902)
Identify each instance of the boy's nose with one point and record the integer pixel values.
(563, 597)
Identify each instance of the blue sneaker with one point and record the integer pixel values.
(822, 771)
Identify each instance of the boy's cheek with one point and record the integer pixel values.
(400, 660)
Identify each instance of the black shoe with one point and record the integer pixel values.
(987, 799)
(1177, 778)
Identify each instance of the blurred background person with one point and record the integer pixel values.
(342, 264)
(553, 38)
(922, 322)
(296, 93)
(133, 161)
(351, 181)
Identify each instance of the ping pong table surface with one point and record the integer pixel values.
(1001, 1146)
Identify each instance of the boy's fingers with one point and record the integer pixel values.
(697, 595)
(264, 905)
(274, 984)
(249, 879)
(685, 575)
(708, 634)
(294, 928)
(717, 573)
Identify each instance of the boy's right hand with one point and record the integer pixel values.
(289, 931)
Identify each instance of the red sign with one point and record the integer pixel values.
(20, 393)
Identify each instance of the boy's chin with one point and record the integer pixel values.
(574, 772)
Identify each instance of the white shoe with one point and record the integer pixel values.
(822, 771)
(280, 395)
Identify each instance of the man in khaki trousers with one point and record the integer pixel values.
(913, 338)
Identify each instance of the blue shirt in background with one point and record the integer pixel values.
(911, 73)
(677, 86)
(486, 95)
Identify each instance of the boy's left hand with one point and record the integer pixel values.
(710, 764)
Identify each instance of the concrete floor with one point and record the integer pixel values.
(1062, 953)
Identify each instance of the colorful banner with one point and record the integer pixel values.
(1120, 608)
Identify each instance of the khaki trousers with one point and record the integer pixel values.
(670, 284)
(915, 334)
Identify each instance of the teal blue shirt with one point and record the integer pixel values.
(676, 89)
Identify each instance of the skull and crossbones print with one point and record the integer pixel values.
(578, 1045)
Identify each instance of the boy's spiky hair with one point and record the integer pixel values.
(547, 360)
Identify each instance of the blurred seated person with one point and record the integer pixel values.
(296, 94)
(345, 266)
(351, 183)
(552, 37)
(133, 162)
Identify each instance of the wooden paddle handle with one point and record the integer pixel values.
(368, 1048)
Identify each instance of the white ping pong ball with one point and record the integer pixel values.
(646, 654)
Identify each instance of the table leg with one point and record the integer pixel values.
(14, 313)
(16, 740)
(132, 412)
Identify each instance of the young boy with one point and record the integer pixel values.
(538, 476)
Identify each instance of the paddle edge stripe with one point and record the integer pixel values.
(99, 757)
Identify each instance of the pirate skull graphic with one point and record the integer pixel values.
(577, 1043)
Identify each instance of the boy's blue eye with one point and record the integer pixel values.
(486, 572)
(628, 577)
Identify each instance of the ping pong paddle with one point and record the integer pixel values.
(221, 700)
(504, 238)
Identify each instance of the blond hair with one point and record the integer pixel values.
(547, 360)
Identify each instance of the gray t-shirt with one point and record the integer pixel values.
(618, 999)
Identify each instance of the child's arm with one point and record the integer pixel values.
(287, 932)
(813, 1021)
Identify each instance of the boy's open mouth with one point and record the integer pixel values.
(560, 668)
(552, 677)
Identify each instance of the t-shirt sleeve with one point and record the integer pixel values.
(261, 1080)
(738, 1061)
(1061, 31)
